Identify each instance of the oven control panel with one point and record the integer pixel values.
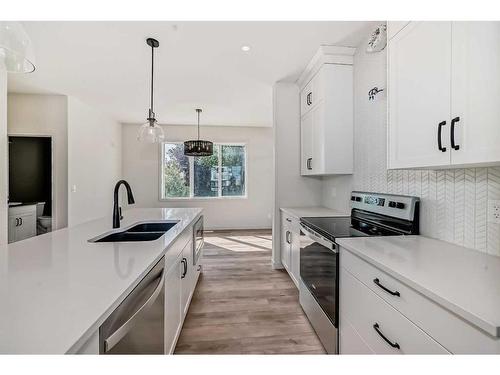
(401, 206)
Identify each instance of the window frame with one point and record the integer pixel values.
(191, 175)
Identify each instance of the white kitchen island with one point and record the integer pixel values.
(58, 288)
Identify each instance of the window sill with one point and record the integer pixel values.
(187, 199)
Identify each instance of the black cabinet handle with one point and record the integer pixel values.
(309, 99)
(376, 327)
(440, 146)
(309, 163)
(289, 220)
(17, 221)
(288, 241)
(394, 293)
(21, 220)
(185, 266)
(452, 133)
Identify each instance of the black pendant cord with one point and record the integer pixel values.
(152, 75)
(153, 43)
(198, 123)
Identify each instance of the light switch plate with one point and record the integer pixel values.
(493, 211)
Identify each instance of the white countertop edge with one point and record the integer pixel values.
(95, 326)
(488, 327)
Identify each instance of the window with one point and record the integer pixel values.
(198, 177)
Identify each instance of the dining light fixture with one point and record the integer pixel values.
(16, 53)
(198, 147)
(151, 132)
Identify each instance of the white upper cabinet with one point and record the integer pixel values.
(419, 95)
(444, 90)
(306, 143)
(326, 99)
(476, 92)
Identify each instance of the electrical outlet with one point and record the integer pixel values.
(493, 211)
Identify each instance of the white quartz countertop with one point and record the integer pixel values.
(57, 288)
(314, 211)
(464, 281)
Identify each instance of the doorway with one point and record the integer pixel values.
(30, 186)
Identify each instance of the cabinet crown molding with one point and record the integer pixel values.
(326, 54)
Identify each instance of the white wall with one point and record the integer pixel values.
(291, 189)
(94, 162)
(4, 186)
(454, 202)
(45, 115)
(140, 164)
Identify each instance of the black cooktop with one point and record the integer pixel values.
(332, 227)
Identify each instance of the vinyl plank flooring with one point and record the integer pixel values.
(241, 305)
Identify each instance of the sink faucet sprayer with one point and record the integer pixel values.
(117, 210)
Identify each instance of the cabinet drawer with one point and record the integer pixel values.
(350, 341)
(455, 334)
(368, 313)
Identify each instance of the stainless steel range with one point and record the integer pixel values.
(372, 214)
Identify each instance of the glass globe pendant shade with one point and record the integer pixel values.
(151, 132)
(16, 52)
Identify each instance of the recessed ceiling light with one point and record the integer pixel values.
(245, 48)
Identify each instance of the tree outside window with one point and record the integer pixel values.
(217, 176)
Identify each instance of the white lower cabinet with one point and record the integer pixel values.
(369, 295)
(187, 288)
(286, 241)
(290, 246)
(22, 222)
(180, 284)
(350, 341)
(173, 315)
(380, 327)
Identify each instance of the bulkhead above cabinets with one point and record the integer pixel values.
(326, 110)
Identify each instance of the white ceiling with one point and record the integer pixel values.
(198, 64)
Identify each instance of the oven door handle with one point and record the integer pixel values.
(316, 238)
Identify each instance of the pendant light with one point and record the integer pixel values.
(151, 132)
(16, 53)
(198, 147)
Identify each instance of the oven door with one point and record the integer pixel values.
(319, 271)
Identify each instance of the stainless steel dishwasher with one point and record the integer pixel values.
(137, 324)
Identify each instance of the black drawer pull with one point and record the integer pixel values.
(452, 133)
(309, 164)
(394, 293)
(376, 327)
(440, 146)
(185, 267)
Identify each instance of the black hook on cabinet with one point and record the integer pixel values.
(374, 91)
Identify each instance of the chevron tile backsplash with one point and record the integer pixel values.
(454, 202)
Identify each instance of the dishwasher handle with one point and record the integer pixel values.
(120, 332)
